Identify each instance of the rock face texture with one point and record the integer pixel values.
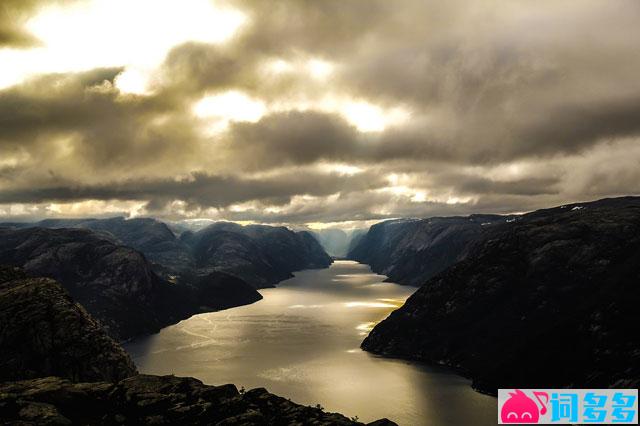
(549, 300)
(116, 284)
(410, 251)
(153, 400)
(259, 255)
(43, 332)
(149, 236)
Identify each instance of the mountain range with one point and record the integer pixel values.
(545, 299)
(410, 251)
(136, 276)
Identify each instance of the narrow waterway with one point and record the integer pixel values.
(302, 342)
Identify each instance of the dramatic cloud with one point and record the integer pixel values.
(316, 111)
(13, 16)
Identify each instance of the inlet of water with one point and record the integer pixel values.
(302, 342)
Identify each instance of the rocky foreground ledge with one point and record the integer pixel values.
(153, 400)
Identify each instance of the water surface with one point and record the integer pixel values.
(302, 342)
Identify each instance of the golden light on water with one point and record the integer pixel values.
(379, 303)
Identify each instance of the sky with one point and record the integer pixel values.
(315, 113)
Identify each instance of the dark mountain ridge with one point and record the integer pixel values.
(258, 254)
(548, 300)
(136, 276)
(261, 255)
(410, 251)
(115, 283)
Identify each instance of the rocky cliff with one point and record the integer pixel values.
(259, 255)
(116, 284)
(410, 251)
(549, 300)
(158, 400)
(43, 332)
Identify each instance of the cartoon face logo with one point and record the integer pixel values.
(519, 408)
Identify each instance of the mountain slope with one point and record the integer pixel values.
(261, 255)
(550, 300)
(149, 236)
(114, 283)
(410, 251)
(43, 332)
(258, 254)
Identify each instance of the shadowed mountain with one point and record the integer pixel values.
(410, 251)
(150, 236)
(43, 332)
(549, 300)
(260, 255)
(116, 284)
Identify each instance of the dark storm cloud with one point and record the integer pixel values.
(54, 102)
(550, 88)
(569, 127)
(483, 186)
(305, 137)
(201, 189)
(76, 124)
(293, 138)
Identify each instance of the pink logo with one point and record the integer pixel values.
(519, 408)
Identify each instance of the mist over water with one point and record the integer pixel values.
(302, 342)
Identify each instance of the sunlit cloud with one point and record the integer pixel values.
(363, 115)
(132, 81)
(368, 117)
(220, 109)
(102, 33)
(319, 68)
(315, 116)
(345, 169)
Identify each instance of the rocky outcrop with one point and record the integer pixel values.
(43, 332)
(549, 300)
(410, 251)
(147, 399)
(116, 284)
